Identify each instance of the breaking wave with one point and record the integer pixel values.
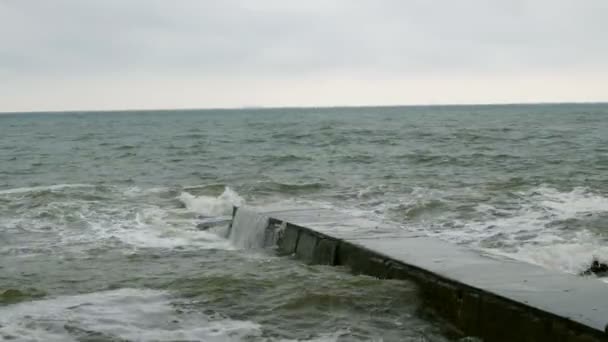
(212, 206)
(125, 314)
(573, 203)
(70, 218)
(555, 229)
(56, 187)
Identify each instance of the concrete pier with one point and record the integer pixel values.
(494, 298)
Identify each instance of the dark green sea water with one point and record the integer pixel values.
(98, 213)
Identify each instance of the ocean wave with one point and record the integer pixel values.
(571, 257)
(212, 206)
(121, 217)
(125, 147)
(192, 135)
(127, 155)
(136, 191)
(207, 188)
(358, 158)
(155, 228)
(544, 226)
(55, 187)
(424, 158)
(572, 203)
(280, 159)
(420, 209)
(371, 191)
(289, 188)
(124, 314)
(150, 226)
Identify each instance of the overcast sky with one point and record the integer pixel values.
(120, 54)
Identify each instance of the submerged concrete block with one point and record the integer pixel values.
(325, 252)
(468, 315)
(444, 298)
(307, 245)
(360, 260)
(287, 240)
(564, 331)
(503, 320)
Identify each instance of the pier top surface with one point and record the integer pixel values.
(580, 299)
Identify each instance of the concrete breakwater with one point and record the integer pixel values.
(496, 299)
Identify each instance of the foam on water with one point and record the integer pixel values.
(136, 218)
(535, 232)
(530, 231)
(212, 206)
(129, 314)
(571, 258)
(327, 337)
(570, 204)
(154, 229)
(55, 187)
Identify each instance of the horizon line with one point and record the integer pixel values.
(235, 108)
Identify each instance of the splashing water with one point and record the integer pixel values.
(554, 229)
(570, 204)
(124, 314)
(248, 229)
(212, 206)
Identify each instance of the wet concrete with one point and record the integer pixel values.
(490, 297)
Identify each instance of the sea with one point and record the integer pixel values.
(99, 214)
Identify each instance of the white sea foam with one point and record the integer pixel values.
(532, 232)
(153, 228)
(54, 187)
(571, 258)
(572, 203)
(212, 206)
(77, 226)
(131, 314)
(290, 204)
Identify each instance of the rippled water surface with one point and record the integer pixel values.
(98, 213)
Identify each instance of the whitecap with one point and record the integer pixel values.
(54, 187)
(212, 206)
(153, 228)
(130, 314)
(533, 232)
(570, 204)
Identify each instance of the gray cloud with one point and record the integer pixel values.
(278, 40)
